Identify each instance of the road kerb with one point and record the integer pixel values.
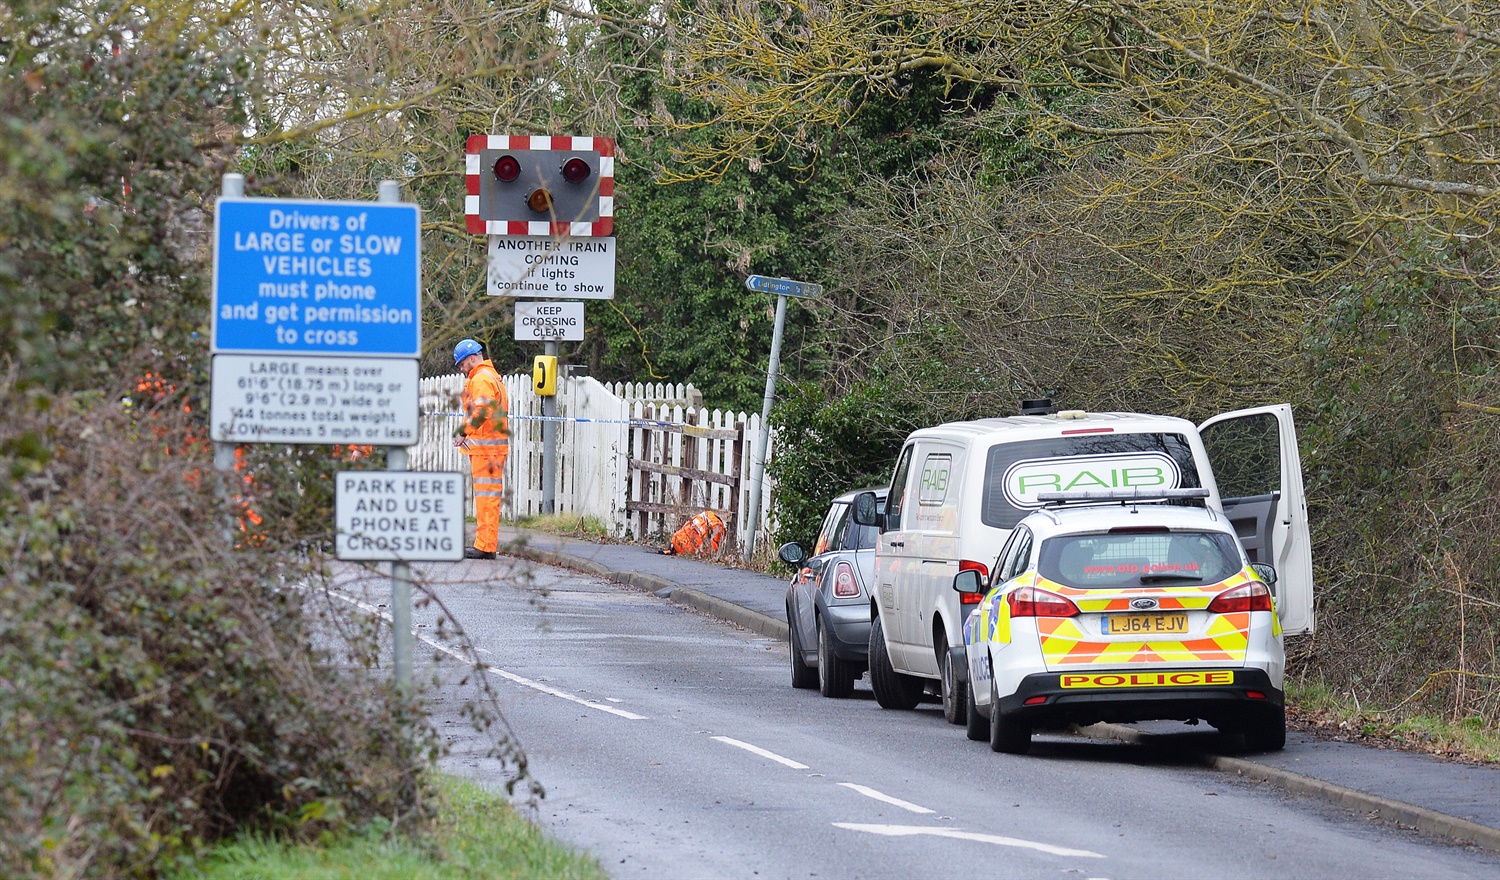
(1414, 816)
(1372, 805)
(736, 614)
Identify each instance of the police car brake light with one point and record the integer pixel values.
(1247, 597)
(1036, 602)
(844, 584)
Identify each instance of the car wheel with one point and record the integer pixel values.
(1266, 733)
(955, 695)
(1006, 734)
(835, 674)
(893, 690)
(976, 725)
(802, 677)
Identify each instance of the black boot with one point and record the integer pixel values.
(476, 553)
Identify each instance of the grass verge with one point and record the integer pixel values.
(1319, 710)
(475, 835)
(567, 525)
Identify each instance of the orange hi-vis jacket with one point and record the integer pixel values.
(486, 430)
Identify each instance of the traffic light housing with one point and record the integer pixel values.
(521, 185)
(544, 375)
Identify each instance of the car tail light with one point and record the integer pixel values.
(844, 584)
(1034, 701)
(1255, 695)
(984, 573)
(1247, 597)
(1034, 602)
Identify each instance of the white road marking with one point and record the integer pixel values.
(508, 676)
(956, 834)
(885, 798)
(757, 750)
(511, 676)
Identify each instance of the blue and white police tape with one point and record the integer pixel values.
(642, 423)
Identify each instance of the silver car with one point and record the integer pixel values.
(828, 601)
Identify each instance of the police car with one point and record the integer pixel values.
(1114, 605)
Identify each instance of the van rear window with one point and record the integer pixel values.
(1015, 472)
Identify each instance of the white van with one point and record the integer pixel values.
(958, 489)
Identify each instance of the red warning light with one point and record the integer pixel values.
(507, 168)
(575, 170)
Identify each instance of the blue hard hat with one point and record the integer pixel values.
(463, 349)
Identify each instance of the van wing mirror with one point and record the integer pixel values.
(1267, 573)
(866, 510)
(968, 581)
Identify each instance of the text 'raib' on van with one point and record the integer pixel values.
(958, 489)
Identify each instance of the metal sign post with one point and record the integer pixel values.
(549, 443)
(783, 288)
(395, 459)
(315, 333)
(548, 204)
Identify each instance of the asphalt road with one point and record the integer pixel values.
(671, 744)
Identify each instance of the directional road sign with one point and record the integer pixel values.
(316, 277)
(783, 286)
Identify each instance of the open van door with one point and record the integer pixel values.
(1253, 453)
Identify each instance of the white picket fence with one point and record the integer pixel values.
(602, 428)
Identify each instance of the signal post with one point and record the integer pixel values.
(547, 205)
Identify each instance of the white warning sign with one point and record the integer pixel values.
(310, 400)
(544, 321)
(406, 516)
(542, 267)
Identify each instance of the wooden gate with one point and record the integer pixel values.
(676, 471)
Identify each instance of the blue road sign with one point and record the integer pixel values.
(783, 286)
(313, 277)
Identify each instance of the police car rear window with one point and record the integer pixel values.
(1128, 560)
(1015, 472)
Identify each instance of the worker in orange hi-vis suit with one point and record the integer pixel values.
(485, 438)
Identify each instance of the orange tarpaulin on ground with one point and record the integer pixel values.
(703, 532)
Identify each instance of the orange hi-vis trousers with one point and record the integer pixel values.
(489, 488)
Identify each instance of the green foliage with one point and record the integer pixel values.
(473, 834)
(830, 444)
(158, 690)
(1401, 471)
(159, 687)
(104, 163)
